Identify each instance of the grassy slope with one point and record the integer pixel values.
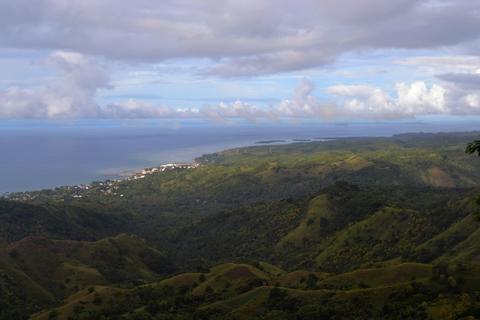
(401, 291)
(50, 269)
(341, 228)
(81, 300)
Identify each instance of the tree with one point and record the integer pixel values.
(312, 281)
(473, 147)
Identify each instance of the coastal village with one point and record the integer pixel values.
(164, 167)
(106, 187)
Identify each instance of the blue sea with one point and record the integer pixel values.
(45, 154)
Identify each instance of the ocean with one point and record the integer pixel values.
(38, 154)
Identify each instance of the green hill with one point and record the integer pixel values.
(397, 292)
(357, 228)
(55, 219)
(46, 270)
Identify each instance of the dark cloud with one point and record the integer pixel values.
(469, 81)
(243, 38)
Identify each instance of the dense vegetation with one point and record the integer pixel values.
(355, 228)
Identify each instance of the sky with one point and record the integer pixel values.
(254, 60)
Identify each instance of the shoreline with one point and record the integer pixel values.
(141, 172)
(105, 186)
(113, 154)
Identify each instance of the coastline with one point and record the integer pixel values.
(40, 158)
(106, 186)
(193, 154)
(108, 180)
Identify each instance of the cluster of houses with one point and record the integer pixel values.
(78, 190)
(164, 167)
(107, 187)
(18, 196)
(74, 191)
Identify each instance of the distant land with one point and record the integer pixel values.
(270, 141)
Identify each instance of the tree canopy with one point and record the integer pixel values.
(473, 147)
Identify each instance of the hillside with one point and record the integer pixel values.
(50, 270)
(342, 228)
(240, 291)
(361, 228)
(55, 219)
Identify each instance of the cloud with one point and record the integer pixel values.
(72, 95)
(472, 101)
(346, 102)
(79, 79)
(133, 109)
(240, 38)
(303, 104)
(409, 101)
(460, 71)
(366, 102)
(221, 112)
(467, 81)
(370, 102)
(458, 63)
(282, 61)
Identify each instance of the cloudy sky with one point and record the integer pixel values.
(224, 60)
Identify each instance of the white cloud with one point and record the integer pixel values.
(460, 81)
(472, 101)
(17, 103)
(355, 102)
(365, 101)
(417, 98)
(409, 101)
(71, 95)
